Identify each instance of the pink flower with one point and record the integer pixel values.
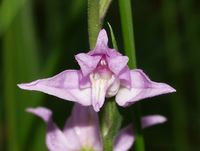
(81, 131)
(104, 73)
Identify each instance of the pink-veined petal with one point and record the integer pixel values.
(55, 139)
(152, 120)
(87, 63)
(84, 124)
(125, 139)
(142, 87)
(65, 85)
(116, 64)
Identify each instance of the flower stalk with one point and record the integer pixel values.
(93, 21)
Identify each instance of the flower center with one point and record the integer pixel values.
(104, 83)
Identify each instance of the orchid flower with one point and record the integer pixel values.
(81, 131)
(103, 73)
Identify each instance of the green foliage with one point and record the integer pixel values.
(114, 43)
(103, 8)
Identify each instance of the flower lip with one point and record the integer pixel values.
(103, 70)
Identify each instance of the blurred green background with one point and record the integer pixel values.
(39, 39)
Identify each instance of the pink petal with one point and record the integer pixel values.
(102, 42)
(55, 139)
(102, 46)
(124, 140)
(151, 120)
(98, 99)
(65, 85)
(87, 63)
(125, 78)
(142, 87)
(116, 64)
(84, 124)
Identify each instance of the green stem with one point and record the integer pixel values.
(110, 123)
(127, 31)
(129, 46)
(111, 119)
(93, 21)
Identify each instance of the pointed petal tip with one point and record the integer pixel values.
(41, 112)
(102, 34)
(172, 90)
(30, 110)
(151, 120)
(102, 31)
(20, 86)
(168, 88)
(96, 107)
(159, 119)
(102, 40)
(25, 86)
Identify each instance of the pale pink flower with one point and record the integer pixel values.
(104, 73)
(81, 130)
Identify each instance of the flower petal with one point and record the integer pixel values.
(142, 87)
(102, 42)
(101, 47)
(55, 139)
(151, 120)
(99, 88)
(84, 123)
(117, 63)
(87, 63)
(125, 78)
(65, 85)
(124, 140)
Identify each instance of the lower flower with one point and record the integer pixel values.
(81, 131)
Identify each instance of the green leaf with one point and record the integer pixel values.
(104, 5)
(114, 43)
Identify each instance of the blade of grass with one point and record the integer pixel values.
(129, 47)
(20, 64)
(114, 43)
(103, 8)
(8, 11)
(9, 93)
